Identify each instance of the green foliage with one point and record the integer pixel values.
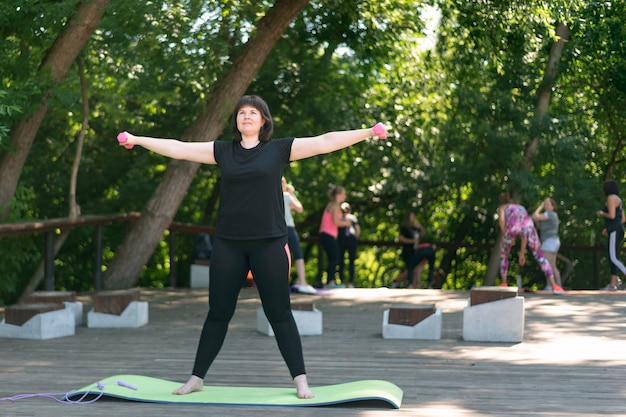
(28, 28)
(18, 253)
(8, 113)
(461, 114)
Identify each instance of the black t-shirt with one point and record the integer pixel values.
(616, 223)
(251, 195)
(409, 233)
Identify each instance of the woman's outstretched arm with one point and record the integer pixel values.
(332, 141)
(190, 151)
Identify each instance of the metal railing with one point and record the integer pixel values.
(51, 227)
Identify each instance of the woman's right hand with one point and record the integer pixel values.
(125, 139)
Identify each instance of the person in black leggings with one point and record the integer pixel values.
(613, 215)
(348, 239)
(250, 232)
(332, 220)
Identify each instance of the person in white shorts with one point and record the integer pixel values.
(548, 221)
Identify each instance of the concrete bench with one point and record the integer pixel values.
(118, 308)
(199, 274)
(308, 320)
(67, 298)
(483, 295)
(18, 314)
(494, 314)
(412, 321)
(38, 321)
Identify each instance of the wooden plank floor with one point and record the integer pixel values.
(572, 361)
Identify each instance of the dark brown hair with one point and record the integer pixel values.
(505, 198)
(610, 187)
(332, 193)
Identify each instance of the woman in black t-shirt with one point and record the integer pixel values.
(413, 253)
(613, 215)
(410, 232)
(250, 232)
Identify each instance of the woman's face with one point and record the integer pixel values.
(341, 196)
(547, 205)
(249, 121)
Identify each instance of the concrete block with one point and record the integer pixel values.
(115, 301)
(428, 328)
(309, 323)
(480, 295)
(135, 315)
(199, 276)
(410, 314)
(49, 325)
(67, 298)
(19, 314)
(75, 307)
(494, 321)
(49, 297)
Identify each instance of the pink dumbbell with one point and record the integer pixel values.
(379, 130)
(121, 138)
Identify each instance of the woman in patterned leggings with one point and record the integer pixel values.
(515, 221)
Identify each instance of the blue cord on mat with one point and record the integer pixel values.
(97, 389)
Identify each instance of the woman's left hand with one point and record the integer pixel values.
(380, 131)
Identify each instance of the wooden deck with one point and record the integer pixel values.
(572, 361)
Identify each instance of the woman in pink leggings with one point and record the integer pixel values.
(515, 221)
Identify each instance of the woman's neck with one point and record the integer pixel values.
(249, 142)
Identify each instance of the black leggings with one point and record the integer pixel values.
(347, 244)
(331, 247)
(426, 252)
(616, 238)
(270, 262)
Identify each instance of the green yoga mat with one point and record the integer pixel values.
(153, 390)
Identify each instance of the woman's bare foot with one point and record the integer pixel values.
(193, 384)
(302, 387)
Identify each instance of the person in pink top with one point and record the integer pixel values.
(515, 221)
(332, 220)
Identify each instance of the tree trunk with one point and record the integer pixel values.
(135, 251)
(210, 208)
(493, 267)
(544, 93)
(74, 209)
(58, 61)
